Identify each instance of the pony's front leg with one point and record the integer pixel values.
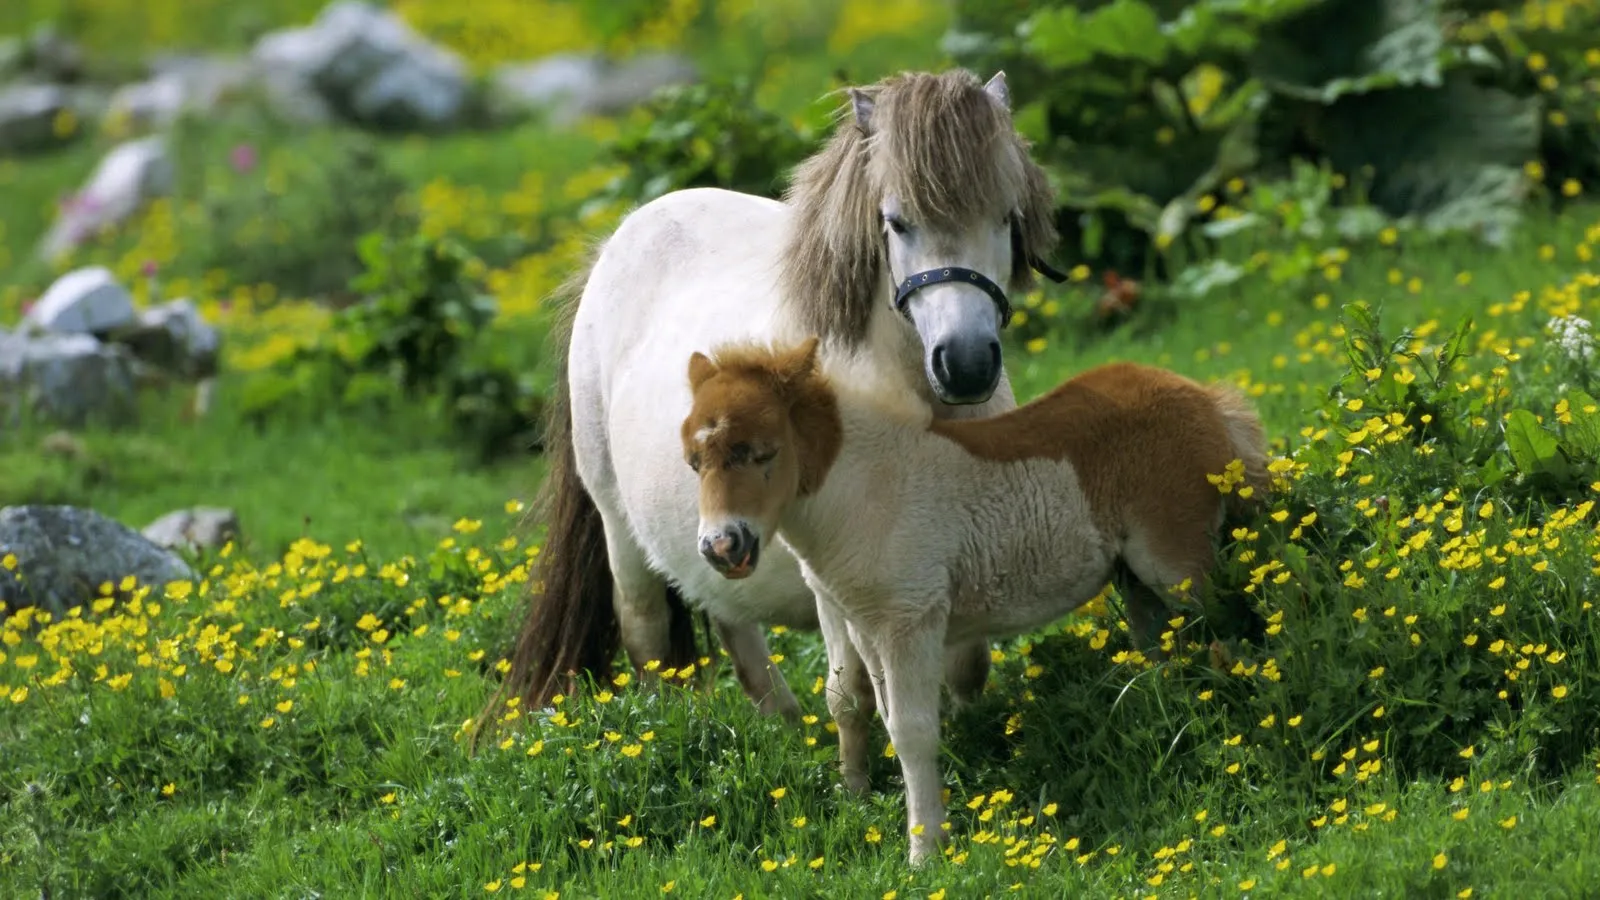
(850, 697)
(758, 674)
(911, 654)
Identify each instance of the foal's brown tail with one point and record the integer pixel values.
(1249, 440)
(570, 629)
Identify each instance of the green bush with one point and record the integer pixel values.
(704, 135)
(290, 215)
(415, 335)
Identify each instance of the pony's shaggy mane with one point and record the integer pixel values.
(951, 156)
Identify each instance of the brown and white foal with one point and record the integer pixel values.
(917, 533)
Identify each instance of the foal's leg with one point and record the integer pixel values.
(1147, 612)
(1157, 561)
(850, 697)
(966, 669)
(911, 654)
(758, 674)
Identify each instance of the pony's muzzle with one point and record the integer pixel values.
(732, 549)
(965, 371)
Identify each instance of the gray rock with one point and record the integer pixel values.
(28, 116)
(568, 86)
(203, 527)
(180, 85)
(52, 56)
(560, 86)
(65, 553)
(127, 178)
(370, 67)
(633, 81)
(83, 301)
(174, 337)
(67, 378)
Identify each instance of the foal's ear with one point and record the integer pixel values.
(862, 104)
(997, 89)
(701, 368)
(801, 362)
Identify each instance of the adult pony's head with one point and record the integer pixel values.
(927, 200)
(763, 430)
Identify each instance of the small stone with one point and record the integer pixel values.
(203, 527)
(174, 337)
(83, 301)
(28, 115)
(127, 178)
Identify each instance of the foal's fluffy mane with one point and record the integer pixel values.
(941, 145)
(765, 362)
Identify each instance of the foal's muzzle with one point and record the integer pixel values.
(732, 550)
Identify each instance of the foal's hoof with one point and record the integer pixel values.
(857, 783)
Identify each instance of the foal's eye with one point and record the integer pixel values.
(763, 457)
(694, 462)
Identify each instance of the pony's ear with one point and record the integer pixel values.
(862, 104)
(701, 368)
(997, 89)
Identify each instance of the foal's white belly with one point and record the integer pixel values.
(683, 273)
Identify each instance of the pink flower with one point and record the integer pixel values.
(242, 158)
(150, 268)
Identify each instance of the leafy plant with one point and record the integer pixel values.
(415, 333)
(710, 134)
(1144, 107)
(291, 218)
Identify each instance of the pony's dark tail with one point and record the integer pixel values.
(570, 630)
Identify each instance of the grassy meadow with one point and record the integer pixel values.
(1392, 694)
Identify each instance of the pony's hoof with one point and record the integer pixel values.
(788, 708)
(923, 851)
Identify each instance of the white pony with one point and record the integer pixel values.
(917, 534)
(892, 246)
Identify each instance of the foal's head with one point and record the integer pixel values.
(763, 430)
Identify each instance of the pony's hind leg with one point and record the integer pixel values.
(644, 615)
(966, 669)
(758, 675)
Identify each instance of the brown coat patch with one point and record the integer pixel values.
(1141, 439)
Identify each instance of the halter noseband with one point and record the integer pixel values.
(920, 280)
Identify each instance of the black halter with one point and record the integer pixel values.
(920, 280)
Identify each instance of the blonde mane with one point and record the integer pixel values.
(946, 150)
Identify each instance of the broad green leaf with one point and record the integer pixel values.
(1534, 449)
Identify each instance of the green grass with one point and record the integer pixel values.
(312, 740)
(393, 480)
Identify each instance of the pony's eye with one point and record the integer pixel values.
(896, 224)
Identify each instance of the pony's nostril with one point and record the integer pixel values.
(994, 355)
(941, 368)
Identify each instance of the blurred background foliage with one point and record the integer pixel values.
(1183, 136)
